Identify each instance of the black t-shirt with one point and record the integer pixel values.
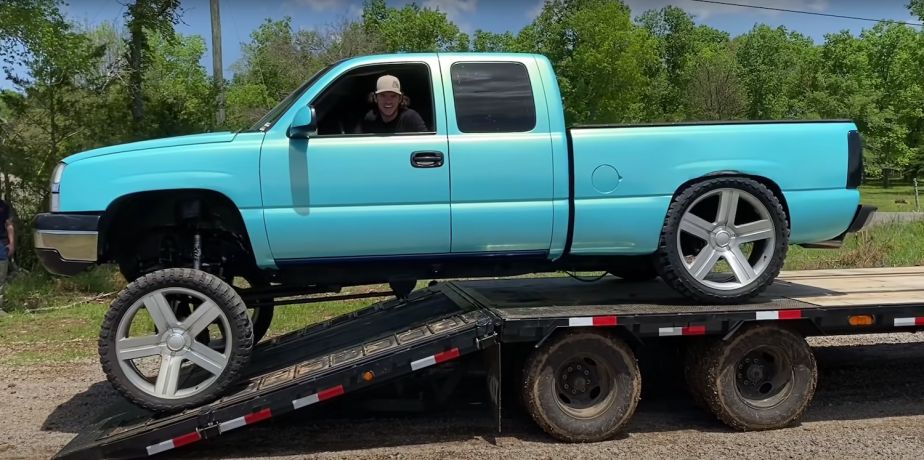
(6, 213)
(407, 121)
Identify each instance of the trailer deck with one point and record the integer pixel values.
(394, 338)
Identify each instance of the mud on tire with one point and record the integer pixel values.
(695, 229)
(557, 396)
(763, 378)
(179, 339)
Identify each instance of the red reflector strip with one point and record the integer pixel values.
(677, 331)
(174, 443)
(592, 321)
(244, 421)
(905, 322)
(318, 397)
(778, 314)
(435, 359)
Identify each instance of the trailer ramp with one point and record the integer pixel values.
(376, 344)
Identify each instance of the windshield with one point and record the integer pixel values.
(273, 115)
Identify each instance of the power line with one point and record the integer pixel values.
(813, 13)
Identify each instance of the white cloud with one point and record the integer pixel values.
(702, 10)
(316, 5)
(454, 9)
(534, 11)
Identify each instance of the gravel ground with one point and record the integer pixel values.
(869, 405)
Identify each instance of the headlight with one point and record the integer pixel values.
(55, 204)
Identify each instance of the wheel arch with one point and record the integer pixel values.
(170, 207)
(766, 182)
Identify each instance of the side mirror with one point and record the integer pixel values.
(304, 123)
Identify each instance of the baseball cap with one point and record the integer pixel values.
(388, 83)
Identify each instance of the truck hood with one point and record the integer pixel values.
(178, 141)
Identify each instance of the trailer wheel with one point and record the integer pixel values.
(582, 386)
(179, 338)
(763, 378)
(694, 375)
(707, 224)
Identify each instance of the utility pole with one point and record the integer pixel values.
(217, 70)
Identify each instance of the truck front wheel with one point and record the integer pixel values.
(171, 385)
(724, 241)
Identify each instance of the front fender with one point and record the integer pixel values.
(92, 184)
(232, 169)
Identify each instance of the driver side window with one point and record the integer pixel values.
(404, 103)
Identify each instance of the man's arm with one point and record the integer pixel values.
(10, 234)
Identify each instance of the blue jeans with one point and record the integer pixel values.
(4, 268)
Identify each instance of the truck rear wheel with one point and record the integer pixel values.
(582, 386)
(709, 223)
(179, 338)
(763, 378)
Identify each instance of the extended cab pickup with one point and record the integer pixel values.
(498, 185)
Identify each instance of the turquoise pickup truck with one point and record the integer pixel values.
(495, 185)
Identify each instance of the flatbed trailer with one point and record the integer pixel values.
(563, 323)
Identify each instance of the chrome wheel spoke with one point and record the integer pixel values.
(201, 317)
(754, 231)
(160, 311)
(740, 266)
(696, 226)
(728, 207)
(138, 347)
(168, 379)
(205, 357)
(704, 262)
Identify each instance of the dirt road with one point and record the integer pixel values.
(869, 405)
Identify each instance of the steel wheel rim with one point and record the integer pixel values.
(723, 239)
(594, 375)
(175, 342)
(764, 377)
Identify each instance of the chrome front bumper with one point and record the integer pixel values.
(66, 244)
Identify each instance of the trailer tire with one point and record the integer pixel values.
(737, 371)
(694, 375)
(724, 238)
(611, 365)
(231, 314)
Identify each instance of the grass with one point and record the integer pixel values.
(898, 198)
(58, 319)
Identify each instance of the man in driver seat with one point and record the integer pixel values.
(391, 113)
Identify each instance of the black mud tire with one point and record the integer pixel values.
(720, 386)
(539, 390)
(634, 269)
(694, 373)
(669, 261)
(218, 291)
(263, 314)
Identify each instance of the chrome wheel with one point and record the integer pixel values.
(723, 235)
(177, 341)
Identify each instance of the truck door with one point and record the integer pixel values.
(339, 194)
(501, 180)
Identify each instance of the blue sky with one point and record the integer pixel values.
(240, 17)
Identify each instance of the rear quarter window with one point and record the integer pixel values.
(493, 97)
